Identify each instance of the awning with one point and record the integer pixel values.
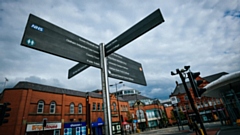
(224, 83)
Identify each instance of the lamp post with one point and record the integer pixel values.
(119, 114)
(186, 68)
(5, 83)
(87, 113)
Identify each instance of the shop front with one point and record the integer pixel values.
(38, 129)
(97, 127)
(116, 128)
(75, 128)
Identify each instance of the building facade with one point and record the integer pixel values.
(209, 108)
(70, 112)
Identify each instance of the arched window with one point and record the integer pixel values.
(52, 107)
(114, 106)
(40, 107)
(71, 108)
(80, 109)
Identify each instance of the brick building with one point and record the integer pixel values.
(210, 109)
(69, 112)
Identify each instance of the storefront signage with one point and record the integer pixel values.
(75, 124)
(39, 127)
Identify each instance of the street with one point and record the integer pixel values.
(212, 129)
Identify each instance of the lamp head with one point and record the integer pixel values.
(186, 67)
(172, 73)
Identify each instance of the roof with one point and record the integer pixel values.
(179, 89)
(214, 77)
(229, 82)
(46, 88)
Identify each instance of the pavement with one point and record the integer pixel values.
(218, 130)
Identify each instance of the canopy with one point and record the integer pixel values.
(224, 83)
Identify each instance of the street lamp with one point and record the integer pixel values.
(186, 68)
(88, 113)
(119, 115)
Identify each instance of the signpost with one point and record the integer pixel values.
(44, 36)
(122, 68)
(134, 32)
(76, 69)
(119, 67)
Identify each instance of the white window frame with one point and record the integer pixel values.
(94, 107)
(52, 110)
(71, 108)
(40, 106)
(80, 109)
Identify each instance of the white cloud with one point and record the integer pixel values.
(196, 33)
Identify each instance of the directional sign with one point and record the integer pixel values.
(119, 67)
(76, 69)
(44, 36)
(122, 68)
(137, 30)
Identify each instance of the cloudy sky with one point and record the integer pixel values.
(203, 34)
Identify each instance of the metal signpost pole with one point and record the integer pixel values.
(106, 100)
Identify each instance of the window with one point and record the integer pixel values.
(132, 115)
(71, 108)
(114, 106)
(94, 107)
(102, 106)
(40, 107)
(80, 109)
(98, 106)
(210, 102)
(218, 101)
(206, 104)
(52, 107)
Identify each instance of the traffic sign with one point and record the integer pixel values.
(134, 32)
(44, 36)
(122, 68)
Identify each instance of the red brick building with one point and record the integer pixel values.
(210, 109)
(65, 111)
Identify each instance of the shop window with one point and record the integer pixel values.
(98, 106)
(52, 107)
(94, 107)
(187, 106)
(206, 104)
(71, 108)
(80, 109)
(40, 107)
(210, 103)
(218, 101)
